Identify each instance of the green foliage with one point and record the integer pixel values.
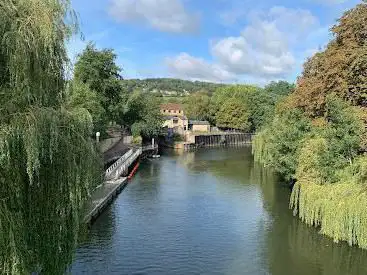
(330, 192)
(259, 103)
(162, 85)
(232, 96)
(48, 162)
(233, 114)
(311, 161)
(142, 114)
(262, 102)
(277, 145)
(197, 106)
(137, 140)
(338, 209)
(80, 95)
(339, 69)
(98, 69)
(343, 134)
(333, 146)
(48, 166)
(32, 53)
(222, 94)
(279, 89)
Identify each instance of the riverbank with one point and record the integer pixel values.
(210, 211)
(101, 198)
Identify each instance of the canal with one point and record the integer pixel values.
(208, 212)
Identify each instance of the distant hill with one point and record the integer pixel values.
(169, 86)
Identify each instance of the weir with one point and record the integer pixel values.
(222, 139)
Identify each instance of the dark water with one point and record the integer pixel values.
(209, 212)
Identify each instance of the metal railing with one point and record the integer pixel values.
(119, 162)
(122, 164)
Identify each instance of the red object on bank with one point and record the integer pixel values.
(132, 173)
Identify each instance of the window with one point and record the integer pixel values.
(175, 121)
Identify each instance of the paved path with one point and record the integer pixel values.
(115, 152)
(101, 198)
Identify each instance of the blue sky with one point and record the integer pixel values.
(212, 40)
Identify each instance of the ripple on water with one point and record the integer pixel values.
(208, 212)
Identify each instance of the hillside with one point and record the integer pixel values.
(169, 86)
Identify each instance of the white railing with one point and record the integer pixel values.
(122, 164)
(119, 162)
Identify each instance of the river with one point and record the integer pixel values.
(212, 211)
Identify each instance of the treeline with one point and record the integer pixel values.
(163, 85)
(240, 107)
(97, 86)
(317, 137)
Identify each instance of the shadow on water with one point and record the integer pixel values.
(295, 248)
(212, 211)
(292, 247)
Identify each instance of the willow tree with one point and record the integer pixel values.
(47, 159)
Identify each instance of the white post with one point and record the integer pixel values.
(98, 134)
(153, 142)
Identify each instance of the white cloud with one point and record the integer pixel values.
(268, 48)
(189, 67)
(292, 19)
(240, 57)
(264, 47)
(163, 15)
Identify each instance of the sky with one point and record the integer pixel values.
(229, 41)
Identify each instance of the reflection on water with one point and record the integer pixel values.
(208, 212)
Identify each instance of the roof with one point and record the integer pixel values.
(171, 106)
(199, 122)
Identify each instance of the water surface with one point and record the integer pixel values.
(209, 212)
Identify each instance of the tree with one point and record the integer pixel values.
(197, 106)
(262, 102)
(238, 93)
(341, 68)
(319, 144)
(48, 163)
(278, 144)
(142, 115)
(279, 89)
(80, 95)
(182, 87)
(98, 69)
(233, 114)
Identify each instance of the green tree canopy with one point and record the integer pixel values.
(142, 115)
(233, 114)
(340, 68)
(277, 145)
(197, 106)
(98, 69)
(80, 95)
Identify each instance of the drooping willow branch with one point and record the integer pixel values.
(48, 162)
